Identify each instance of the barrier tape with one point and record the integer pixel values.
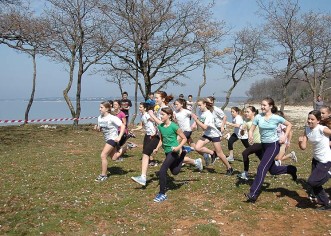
(46, 120)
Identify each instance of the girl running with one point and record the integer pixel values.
(325, 116)
(108, 125)
(237, 121)
(211, 134)
(256, 147)
(219, 115)
(183, 119)
(267, 122)
(151, 140)
(318, 135)
(172, 148)
(281, 157)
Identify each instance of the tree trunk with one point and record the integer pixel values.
(26, 117)
(228, 94)
(67, 89)
(204, 81)
(79, 87)
(284, 97)
(133, 118)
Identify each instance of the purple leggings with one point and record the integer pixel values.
(268, 164)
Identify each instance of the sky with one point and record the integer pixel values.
(16, 68)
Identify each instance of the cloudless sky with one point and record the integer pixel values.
(16, 68)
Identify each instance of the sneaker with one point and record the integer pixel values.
(132, 145)
(207, 158)
(243, 176)
(230, 159)
(324, 208)
(294, 157)
(278, 162)
(249, 198)
(131, 135)
(120, 159)
(227, 136)
(294, 173)
(188, 149)
(198, 164)
(140, 180)
(229, 171)
(213, 158)
(152, 163)
(160, 197)
(101, 178)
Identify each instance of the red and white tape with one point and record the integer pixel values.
(46, 120)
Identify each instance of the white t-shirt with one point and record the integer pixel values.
(183, 119)
(239, 121)
(109, 125)
(218, 114)
(281, 132)
(320, 142)
(208, 119)
(148, 124)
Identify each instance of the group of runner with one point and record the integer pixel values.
(267, 134)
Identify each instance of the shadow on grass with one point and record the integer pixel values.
(116, 170)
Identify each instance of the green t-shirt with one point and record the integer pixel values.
(256, 133)
(169, 136)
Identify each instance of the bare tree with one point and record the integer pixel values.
(208, 38)
(26, 33)
(284, 28)
(247, 55)
(315, 54)
(79, 40)
(158, 40)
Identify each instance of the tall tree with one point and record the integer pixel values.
(315, 54)
(80, 40)
(284, 29)
(246, 57)
(23, 31)
(158, 40)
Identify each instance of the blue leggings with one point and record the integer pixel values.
(268, 164)
(173, 161)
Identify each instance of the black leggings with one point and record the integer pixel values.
(173, 161)
(255, 148)
(233, 139)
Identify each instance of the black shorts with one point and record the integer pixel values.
(187, 134)
(214, 140)
(112, 143)
(150, 143)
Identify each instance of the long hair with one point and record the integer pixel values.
(271, 102)
(182, 102)
(167, 98)
(208, 104)
(107, 105)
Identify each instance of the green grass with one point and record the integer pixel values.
(47, 187)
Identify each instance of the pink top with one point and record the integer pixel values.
(121, 115)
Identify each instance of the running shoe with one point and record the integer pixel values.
(213, 158)
(278, 162)
(294, 157)
(188, 149)
(229, 171)
(132, 145)
(131, 135)
(249, 198)
(324, 208)
(243, 176)
(198, 164)
(230, 159)
(207, 158)
(152, 163)
(140, 180)
(101, 178)
(160, 197)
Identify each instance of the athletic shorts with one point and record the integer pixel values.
(150, 143)
(187, 134)
(112, 143)
(214, 140)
